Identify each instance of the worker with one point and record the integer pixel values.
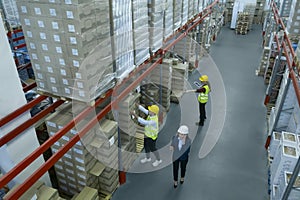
(203, 98)
(151, 132)
(180, 146)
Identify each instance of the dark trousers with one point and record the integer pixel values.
(183, 164)
(150, 146)
(202, 111)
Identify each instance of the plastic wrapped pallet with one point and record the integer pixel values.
(155, 13)
(140, 31)
(121, 27)
(65, 41)
(177, 4)
(184, 11)
(168, 19)
(293, 22)
(284, 160)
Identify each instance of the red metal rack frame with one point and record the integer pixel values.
(55, 157)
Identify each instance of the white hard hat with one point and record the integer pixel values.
(183, 129)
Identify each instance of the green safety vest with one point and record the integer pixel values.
(150, 131)
(203, 97)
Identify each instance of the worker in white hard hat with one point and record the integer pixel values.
(151, 133)
(203, 91)
(180, 145)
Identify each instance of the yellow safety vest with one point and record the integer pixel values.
(151, 131)
(203, 97)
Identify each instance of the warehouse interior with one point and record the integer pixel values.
(75, 73)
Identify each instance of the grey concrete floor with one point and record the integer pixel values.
(236, 168)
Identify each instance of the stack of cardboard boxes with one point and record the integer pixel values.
(62, 38)
(184, 11)
(168, 18)
(121, 27)
(179, 79)
(293, 22)
(140, 31)
(156, 16)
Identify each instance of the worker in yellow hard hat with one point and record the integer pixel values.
(203, 98)
(151, 132)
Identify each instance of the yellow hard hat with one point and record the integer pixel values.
(203, 78)
(154, 109)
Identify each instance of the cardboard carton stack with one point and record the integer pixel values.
(179, 79)
(250, 9)
(150, 94)
(177, 5)
(185, 49)
(295, 193)
(65, 41)
(274, 144)
(87, 194)
(128, 129)
(121, 27)
(184, 11)
(168, 19)
(162, 75)
(140, 31)
(293, 18)
(155, 13)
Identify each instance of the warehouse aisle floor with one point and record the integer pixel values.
(236, 168)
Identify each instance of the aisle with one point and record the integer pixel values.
(236, 167)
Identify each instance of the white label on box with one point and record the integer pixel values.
(79, 143)
(43, 36)
(62, 181)
(54, 89)
(55, 25)
(37, 11)
(41, 84)
(78, 151)
(81, 183)
(27, 22)
(52, 1)
(68, 155)
(50, 69)
(40, 76)
(69, 163)
(82, 176)
(23, 9)
(37, 66)
(75, 52)
(60, 127)
(51, 124)
(68, 1)
(71, 28)
(56, 38)
(73, 40)
(65, 81)
(34, 197)
(41, 24)
(79, 160)
(60, 174)
(111, 141)
(32, 45)
(80, 168)
(67, 91)
(70, 15)
(52, 80)
(57, 143)
(58, 166)
(81, 93)
(29, 34)
(79, 84)
(62, 61)
(75, 63)
(78, 75)
(52, 12)
(65, 138)
(45, 47)
(34, 56)
(64, 73)
(71, 178)
(47, 59)
(74, 132)
(72, 186)
(58, 49)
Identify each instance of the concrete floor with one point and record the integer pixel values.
(236, 168)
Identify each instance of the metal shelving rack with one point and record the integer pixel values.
(290, 78)
(142, 71)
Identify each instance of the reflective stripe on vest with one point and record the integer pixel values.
(150, 131)
(203, 97)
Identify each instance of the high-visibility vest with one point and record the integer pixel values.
(151, 131)
(203, 96)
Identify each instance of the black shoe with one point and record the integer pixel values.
(201, 123)
(175, 184)
(181, 180)
(204, 117)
